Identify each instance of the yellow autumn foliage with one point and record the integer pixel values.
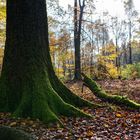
(2, 13)
(1, 56)
(108, 61)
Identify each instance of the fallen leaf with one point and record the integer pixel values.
(118, 115)
(13, 124)
(89, 134)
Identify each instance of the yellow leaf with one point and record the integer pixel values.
(13, 124)
(23, 123)
(34, 126)
(89, 134)
(118, 115)
(31, 122)
(106, 125)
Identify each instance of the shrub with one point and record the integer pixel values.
(130, 71)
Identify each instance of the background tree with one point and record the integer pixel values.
(117, 30)
(78, 17)
(131, 14)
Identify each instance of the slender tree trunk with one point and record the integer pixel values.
(116, 52)
(76, 44)
(91, 64)
(77, 38)
(130, 47)
(69, 70)
(117, 56)
(124, 54)
(28, 84)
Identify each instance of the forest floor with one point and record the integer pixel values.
(108, 123)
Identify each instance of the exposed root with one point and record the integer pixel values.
(115, 99)
(68, 96)
(47, 107)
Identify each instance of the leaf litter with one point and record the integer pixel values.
(108, 123)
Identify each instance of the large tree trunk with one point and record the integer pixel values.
(27, 87)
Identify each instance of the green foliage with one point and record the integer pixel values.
(131, 71)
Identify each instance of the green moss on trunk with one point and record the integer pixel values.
(115, 99)
(39, 100)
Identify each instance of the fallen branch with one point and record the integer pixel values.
(115, 99)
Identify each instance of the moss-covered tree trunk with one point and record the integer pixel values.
(28, 83)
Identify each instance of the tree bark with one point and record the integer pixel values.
(130, 45)
(77, 38)
(28, 84)
(76, 44)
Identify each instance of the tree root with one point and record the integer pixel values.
(68, 96)
(114, 99)
(47, 107)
